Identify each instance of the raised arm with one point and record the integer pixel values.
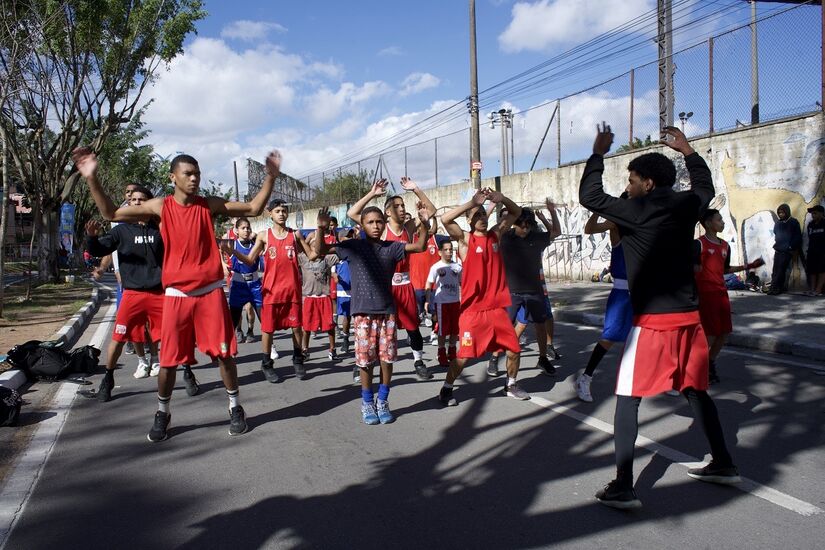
(420, 245)
(354, 213)
(319, 247)
(594, 226)
(86, 163)
(513, 211)
(100, 246)
(255, 207)
(554, 228)
(701, 180)
(250, 259)
(409, 185)
(448, 218)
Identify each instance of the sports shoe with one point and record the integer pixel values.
(274, 354)
(237, 421)
(155, 370)
(422, 371)
(298, 365)
(713, 377)
(250, 338)
(427, 321)
(369, 414)
(513, 390)
(345, 345)
(713, 473)
(189, 380)
(239, 337)
(332, 356)
(104, 392)
(616, 496)
(356, 376)
(442, 358)
(492, 366)
(433, 339)
(445, 396)
(158, 431)
(552, 349)
(129, 348)
(583, 388)
(384, 414)
(267, 365)
(673, 393)
(546, 366)
(143, 368)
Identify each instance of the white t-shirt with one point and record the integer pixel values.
(445, 279)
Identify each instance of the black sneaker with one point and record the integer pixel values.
(237, 421)
(189, 380)
(421, 370)
(250, 338)
(713, 473)
(267, 365)
(492, 366)
(546, 366)
(239, 337)
(552, 349)
(445, 396)
(298, 365)
(713, 377)
(129, 348)
(616, 496)
(345, 345)
(158, 431)
(104, 392)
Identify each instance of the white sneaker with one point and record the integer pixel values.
(673, 393)
(428, 322)
(274, 354)
(142, 370)
(433, 339)
(155, 368)
(583, 388)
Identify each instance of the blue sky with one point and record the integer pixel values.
(324, 81)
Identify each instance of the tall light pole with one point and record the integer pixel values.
(475, 145)
(684, 117)
(504, 119)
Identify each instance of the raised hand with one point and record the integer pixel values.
(323, 221)
(273, 163)
(479, 198)
(494, 196)
(379, 187)
(423, 213)
(92, 228)
(549, 204)
(758, 262)
(85, 160)
(678, 141)
(408, 184)
(604, 139)
(227, 246)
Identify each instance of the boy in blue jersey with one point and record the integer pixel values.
(245, 287)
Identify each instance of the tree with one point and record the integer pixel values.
(636, 144)
(72, 71)
(343, 188)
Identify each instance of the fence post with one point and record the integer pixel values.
(710, 85)
(632, 84)
(558, 133)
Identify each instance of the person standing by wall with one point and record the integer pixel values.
(816, 251)
(788, 241)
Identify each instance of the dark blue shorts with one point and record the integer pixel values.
(529, 308)
(241, 294)
(420, 298)
(343, 306)
(618, 316)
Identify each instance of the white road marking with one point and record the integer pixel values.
(748, 485)
(23, 478)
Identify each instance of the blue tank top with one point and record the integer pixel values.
(617, 266)
(240, 267)
(344, 280)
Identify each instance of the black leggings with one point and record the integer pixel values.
(416, 340)
(626, 428)
(237, 312)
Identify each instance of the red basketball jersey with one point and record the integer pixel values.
(404, 265)
(421, 262)
(483, 283)
(191, 259)
(282, 275)
(714, 258)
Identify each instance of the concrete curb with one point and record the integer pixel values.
(67, 335)
(738, 339)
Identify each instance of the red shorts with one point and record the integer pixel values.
(375, 339)
(448, 315)
(714, 310)
(202, 319)
(317, 313)
(137, 307)
(280, 316)
(665, 351)
(483, 331)
(405, 306)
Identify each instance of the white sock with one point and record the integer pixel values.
(418, 355)
(510, 381)
(234, 398)
(163, 403)
(448, 386)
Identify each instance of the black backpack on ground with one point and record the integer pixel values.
(47, 361)
(10, 404)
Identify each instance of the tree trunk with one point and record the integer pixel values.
(35, 202)
(4, 225)
(48, 270)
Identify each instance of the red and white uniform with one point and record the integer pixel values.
(714, 303)
(138, 307)
(445, 280)
(421, 262)
(403, 293)
(195, 308)
(281, 288)
(484, 324)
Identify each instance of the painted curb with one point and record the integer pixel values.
(67, 335)
(759, 342)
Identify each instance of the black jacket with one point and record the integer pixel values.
(657, 235)
(139, 252)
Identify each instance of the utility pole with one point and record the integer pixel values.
(235, 167)
(665, 43)
(475, 145)
(754, 68)
(504, 118)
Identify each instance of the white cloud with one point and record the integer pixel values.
(542, 25)
(390, 51)
(250, 31)
(326, 106)
(418, 82)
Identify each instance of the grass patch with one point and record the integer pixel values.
(55, 298)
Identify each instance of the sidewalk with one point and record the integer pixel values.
(791, 324)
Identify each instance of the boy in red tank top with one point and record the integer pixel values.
(711, 262)
(280, 246)
(399, 229)
(484, 325)
(195, 309)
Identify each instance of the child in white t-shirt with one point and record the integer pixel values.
(443, 291)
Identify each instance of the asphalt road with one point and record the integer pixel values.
(490, 473)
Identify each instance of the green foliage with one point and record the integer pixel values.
(637, 144)
(342, 188)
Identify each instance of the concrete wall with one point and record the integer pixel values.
(754, 169)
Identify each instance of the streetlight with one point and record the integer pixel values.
(683, 116)
(504, 118)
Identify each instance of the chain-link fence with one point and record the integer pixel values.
(713, 90)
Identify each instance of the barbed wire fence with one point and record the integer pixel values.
(712, 87)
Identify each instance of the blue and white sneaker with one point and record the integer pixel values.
(369, 414)
(384, 413)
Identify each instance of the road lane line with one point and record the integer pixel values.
(748, 485)
(22, 480)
